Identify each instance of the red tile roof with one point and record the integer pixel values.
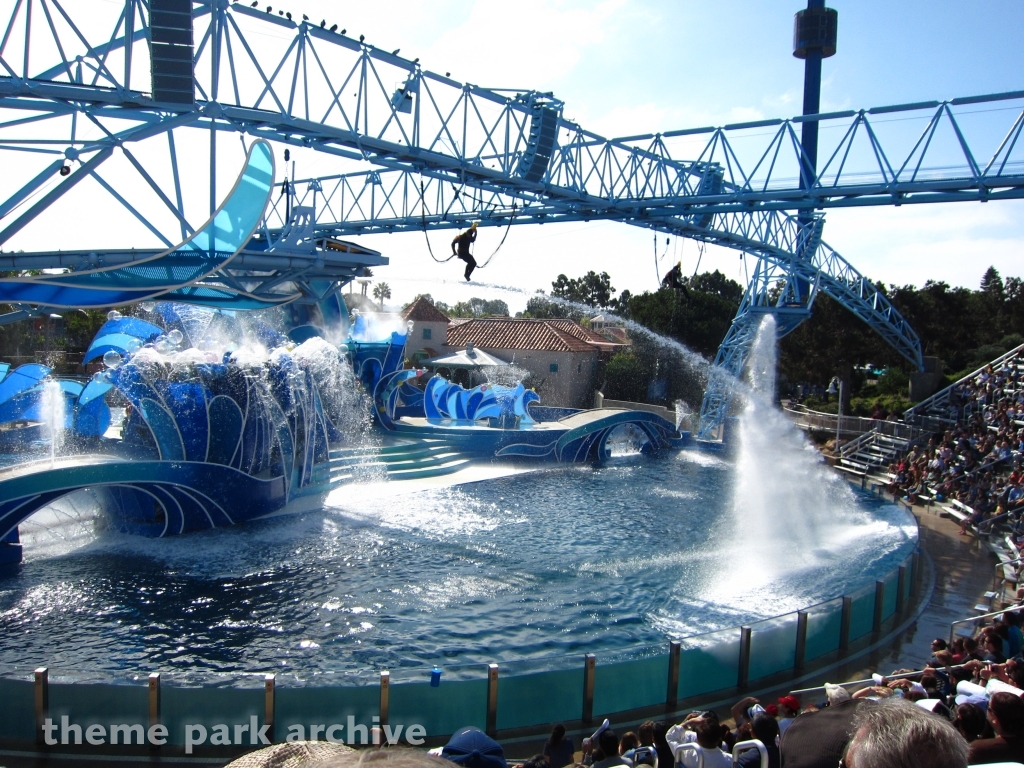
(424, 311)
(577, 330)
(506, 333)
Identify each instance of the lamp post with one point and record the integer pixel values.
(836, 381)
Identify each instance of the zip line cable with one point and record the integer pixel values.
(657, 272)
(700, 255)
(423, 223)
(658, 259)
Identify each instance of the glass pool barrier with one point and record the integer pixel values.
(527, 694)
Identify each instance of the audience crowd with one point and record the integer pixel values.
(976, 462)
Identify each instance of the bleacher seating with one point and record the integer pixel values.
(969, 465)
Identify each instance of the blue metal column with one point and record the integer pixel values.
(814, 38)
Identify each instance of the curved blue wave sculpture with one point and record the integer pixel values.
(217, 434)
(174, 271)
(499, 422)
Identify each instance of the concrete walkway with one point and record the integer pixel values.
(963, 569)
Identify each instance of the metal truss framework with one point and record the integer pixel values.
(442, 152)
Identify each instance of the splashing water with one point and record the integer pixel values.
(54, 415)
(683, 414)
(346, 403)
(505, 375)
(195, 321)
(65, 525)
(790, 512)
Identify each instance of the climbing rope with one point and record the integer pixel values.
(657, 272)
(423, 223)
(700, 255)
(507, 228)
(658, 259)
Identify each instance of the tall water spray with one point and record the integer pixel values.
(791, 513)
(53, 415)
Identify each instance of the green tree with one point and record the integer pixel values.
(80, 327)
(698, 320)
(476, 307)
(831, 343)
(716, 284)
(893, 382)
(541, 307)
(992, 284)
(626, 378)
(381, 292)
(592, 289)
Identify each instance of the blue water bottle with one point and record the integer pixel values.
(435, 677)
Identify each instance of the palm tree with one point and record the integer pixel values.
(381, 291)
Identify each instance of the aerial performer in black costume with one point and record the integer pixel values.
(463, 241)
(674, 277)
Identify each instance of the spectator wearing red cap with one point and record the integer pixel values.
(789, 708)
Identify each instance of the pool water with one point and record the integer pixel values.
(533, 565)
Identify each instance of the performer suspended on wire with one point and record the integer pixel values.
(463, 241)
(674, 279)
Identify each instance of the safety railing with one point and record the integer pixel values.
(867, 681)
(494, 697)
(940, 399)
(746, 746)
(739, 748)
(850, 425)
(975, 619)
(999, 574)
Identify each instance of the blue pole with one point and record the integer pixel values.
(814, 38)
(812, 104)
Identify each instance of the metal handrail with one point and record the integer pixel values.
(912, 412)
(746, 746)
(898, 676)
(1000, 612)
(697, 749)
(999, 565)
(848, 423)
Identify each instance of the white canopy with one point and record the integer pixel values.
(469, 357)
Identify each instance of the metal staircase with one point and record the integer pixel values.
(872, 450)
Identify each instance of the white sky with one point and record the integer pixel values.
(647, 66)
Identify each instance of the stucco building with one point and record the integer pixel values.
(430, 326)
(563, 358)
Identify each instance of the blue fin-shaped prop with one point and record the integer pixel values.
(216, 243)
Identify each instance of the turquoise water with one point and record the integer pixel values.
(530, 566)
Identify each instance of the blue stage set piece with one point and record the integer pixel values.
(228, 419)
(177, 272)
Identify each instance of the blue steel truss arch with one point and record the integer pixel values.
(85, 85)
